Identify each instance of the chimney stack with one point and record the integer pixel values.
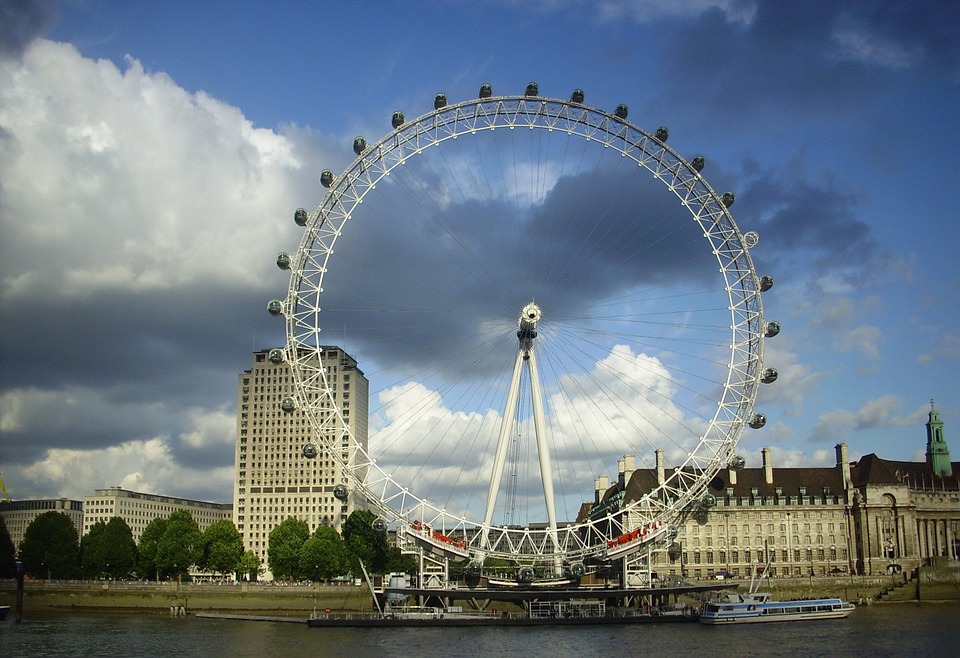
(767, 466)
(660, 476)
(602, 483)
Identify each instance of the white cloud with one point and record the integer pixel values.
(121, 180)
(146, 466)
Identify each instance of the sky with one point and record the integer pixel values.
(151, 156)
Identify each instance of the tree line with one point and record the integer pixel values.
(173, 547)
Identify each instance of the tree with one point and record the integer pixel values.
(250, 566)
(179, 547)
(365, 543)
(108, 550)
(283, 552)
(221, 548)
(324, 555)
(51, 547)
(8, 552)
(147, 565)
(91, 550)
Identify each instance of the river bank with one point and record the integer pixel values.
(303, 600)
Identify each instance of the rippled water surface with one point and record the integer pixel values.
(929, 629)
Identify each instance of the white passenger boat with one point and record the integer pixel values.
(757, 607)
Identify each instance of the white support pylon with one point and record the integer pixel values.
(529, 317)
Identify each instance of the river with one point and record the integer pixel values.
(901, 629)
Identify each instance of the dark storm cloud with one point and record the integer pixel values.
(795, 57)
(401, 288)
(806, 223)
(22, 21)
(120, 366)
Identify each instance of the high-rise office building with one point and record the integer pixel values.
(273, 480)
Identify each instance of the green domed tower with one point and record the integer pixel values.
(938, 454)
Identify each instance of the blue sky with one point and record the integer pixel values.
(152, 154)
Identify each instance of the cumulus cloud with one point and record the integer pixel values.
(140, 223)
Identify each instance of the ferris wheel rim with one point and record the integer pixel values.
(681, 487)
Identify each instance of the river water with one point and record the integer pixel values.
(901, 629)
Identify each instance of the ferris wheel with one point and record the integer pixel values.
(537, 290)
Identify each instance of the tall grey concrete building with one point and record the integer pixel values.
(273, 479)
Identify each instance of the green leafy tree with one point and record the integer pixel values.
(108, 550)
(324, 555)
(92, 549)
(147, 564)
(250, 566)
(8, 552)
(179, 547)
(283, 552)
(51, 547)
(221, 548)
(365, 543)
(120, 550)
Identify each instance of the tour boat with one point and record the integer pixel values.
(757, 607)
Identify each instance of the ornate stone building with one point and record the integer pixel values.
(870, 516)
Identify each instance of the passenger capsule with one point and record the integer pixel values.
(709, 500)
(662, 134)
(440, 100)
(326, 178)
(300, 217)
(359, 145)
(533, 89)
(288, 405)
(727, 199)
(773, 328)
(525, 574)
(275, 307)
(283, 260)
(397, 119)
(310, 450)
(769, 376)
(576, 569)
(621, 111)
(275, 356)
(576, 96)
(737, 462)
(474, 569)
(379, 525)
(757, 421)
(766, 282)
(340, 492)
(698, 162)
(486, 91)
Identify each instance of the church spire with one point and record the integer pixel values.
(938, 454)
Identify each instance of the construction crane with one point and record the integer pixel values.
(3, 489)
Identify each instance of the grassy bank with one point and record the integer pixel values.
(293, 600)
(302, 600)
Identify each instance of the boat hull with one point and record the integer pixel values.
(725, 614)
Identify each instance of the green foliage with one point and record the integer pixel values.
(108, 550)
(365, 543)
(250, 567)
(91, 550)
(51, 547)
(283, 552)
(8, 552)
(324, 555)
(179, 548)
(221, 548)
(147, 565)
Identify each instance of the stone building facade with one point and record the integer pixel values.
(870, 516)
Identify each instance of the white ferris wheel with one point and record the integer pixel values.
(537, 290)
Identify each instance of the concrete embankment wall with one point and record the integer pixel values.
(939, 581)
(294, 600)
